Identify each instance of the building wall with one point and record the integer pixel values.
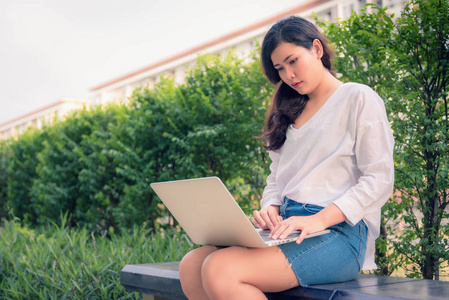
(39, 117)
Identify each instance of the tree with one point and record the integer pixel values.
(422, 132)
(407, 62)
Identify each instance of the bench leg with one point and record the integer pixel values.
(152, 297)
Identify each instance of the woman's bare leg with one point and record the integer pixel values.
(190, 272)
(235, 273)
(241, 273)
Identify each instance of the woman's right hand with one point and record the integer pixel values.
(267, 218)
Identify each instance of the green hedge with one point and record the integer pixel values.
(97, 164)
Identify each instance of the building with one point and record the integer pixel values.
(244, 40)
(40, 117)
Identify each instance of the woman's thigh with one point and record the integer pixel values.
(265, 268)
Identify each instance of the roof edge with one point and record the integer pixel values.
(267, 21)
(63, 100)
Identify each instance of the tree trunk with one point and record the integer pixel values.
(381, 256)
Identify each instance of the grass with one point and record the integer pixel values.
(55, 262)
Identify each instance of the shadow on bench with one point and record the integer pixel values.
(161, 281)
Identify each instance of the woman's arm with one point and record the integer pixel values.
(268, 216)
(271, 194)
(374, 154)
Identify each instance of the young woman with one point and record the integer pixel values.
(331, 148)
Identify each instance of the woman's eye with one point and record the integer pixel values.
(293, 61)
(280, 69)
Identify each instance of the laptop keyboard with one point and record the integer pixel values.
(266, 233)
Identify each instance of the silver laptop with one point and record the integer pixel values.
(210, 215)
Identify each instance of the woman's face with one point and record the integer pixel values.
(299, 67)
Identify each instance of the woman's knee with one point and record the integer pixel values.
(218, 271)
(190, 269)
(196, 257)
(192, 261)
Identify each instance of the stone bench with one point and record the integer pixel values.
(161, 281)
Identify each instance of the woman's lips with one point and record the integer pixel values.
(296, 84)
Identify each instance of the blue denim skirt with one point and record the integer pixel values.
(334, 257)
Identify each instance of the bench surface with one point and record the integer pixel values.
(162, 279)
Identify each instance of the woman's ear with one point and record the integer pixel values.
(317, 48)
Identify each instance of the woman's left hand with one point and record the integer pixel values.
(307, 225)
(327, 217)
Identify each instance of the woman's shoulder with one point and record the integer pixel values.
(360, 93)
(356, 87)
(366, 102)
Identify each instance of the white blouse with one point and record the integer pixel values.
(342, 155)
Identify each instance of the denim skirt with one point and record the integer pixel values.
(334, 257)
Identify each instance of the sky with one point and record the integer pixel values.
(59, 49)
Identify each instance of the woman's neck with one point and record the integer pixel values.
(325, 89)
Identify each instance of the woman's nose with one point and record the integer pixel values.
(290, 73)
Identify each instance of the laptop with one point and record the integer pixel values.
(208, 213)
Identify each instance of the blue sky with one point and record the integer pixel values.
(54, 49)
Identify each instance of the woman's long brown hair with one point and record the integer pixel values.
(287, 104)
